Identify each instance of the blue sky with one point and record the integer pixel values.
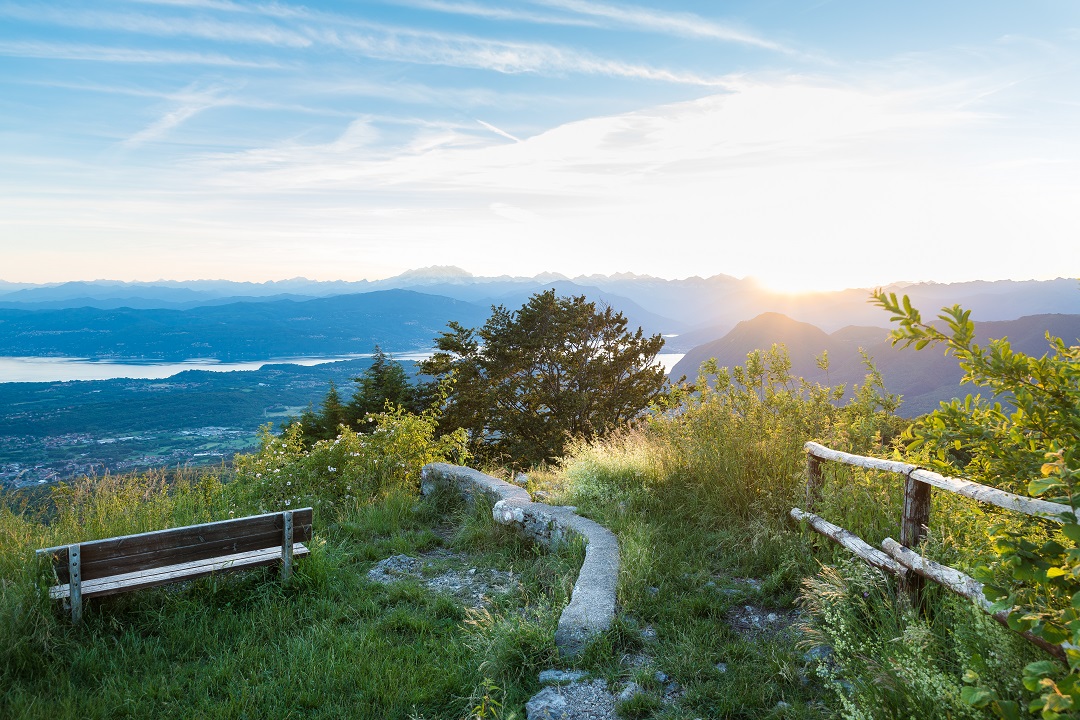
(810, 144)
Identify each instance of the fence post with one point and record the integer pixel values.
(913, 526)
(813, 479)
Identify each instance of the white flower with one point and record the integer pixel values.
(287, 503)
(330, 469)
(288, 483)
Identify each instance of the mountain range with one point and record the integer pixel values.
(689, 312)
(922, 378)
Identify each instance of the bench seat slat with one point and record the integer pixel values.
(131, 553)
(173, 573)
(93, 569)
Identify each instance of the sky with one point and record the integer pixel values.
(812, 144)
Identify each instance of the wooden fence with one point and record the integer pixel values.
(900, 558)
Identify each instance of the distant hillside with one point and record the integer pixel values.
(923, 378)
(398, 320)
(695, 309)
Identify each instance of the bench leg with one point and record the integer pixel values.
(75, 582)
(287, 548)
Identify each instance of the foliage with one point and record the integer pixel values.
(382, 386)
(748, 424)
(1026, 438)
(698, 497)
(330, 644)
(382, 383)
(352, 468)
(557, 368)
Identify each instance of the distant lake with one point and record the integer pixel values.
(61, 369)
(669, 360)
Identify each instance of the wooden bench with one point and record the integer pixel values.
(122, 564)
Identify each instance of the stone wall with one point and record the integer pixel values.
(592, 604)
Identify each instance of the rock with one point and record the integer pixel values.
(521, 480)
(660, 677)
(819, 653)
(771, 617)
(576, 701)
(654, 591)
(559, 677)
(721, 666)
(547, 704)
(648, 633)
(395, 567)
(629, 691)
(781, 706)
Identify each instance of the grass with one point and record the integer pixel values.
(330, 644)
(698, 499)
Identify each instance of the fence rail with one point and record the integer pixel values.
(900, 558)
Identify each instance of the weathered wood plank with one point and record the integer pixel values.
(119, 564)
(993, 496)
(962, 584)
(870, 463)
(197, 532)
(174, 573)
(914, 524)
(814, 480)
(859, 547)
(967, 488)
(190, 543)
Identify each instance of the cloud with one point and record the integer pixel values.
(98, 53)
(489, 12)
(680, 24)
(193, 104)
(312, 30)
(497, 131)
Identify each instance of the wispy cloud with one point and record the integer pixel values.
(320, 31)
(488, 12)
(681, 24)
(98, 53)
(194, 102)
(497, 131)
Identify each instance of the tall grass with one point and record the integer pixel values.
(699, 499)
(329, 644)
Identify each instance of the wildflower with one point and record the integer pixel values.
(330, 469)
(287, 503)
(288, 483)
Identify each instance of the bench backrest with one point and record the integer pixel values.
(146, 551)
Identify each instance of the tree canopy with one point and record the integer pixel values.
(1026, 438)
(385, 381)
(557, 368)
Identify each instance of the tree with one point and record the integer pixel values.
(1026, 438)
(322, 425)
(384, 381)
(557, 368)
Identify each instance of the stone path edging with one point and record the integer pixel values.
(592, 604)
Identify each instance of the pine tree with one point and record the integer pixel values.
(557, 368)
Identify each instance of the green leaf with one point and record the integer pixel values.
(1071, 531)
(1008, 709)
(976, 696)
(1040, 669)
(1038, 486)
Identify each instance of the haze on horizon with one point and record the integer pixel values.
(808, 144)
